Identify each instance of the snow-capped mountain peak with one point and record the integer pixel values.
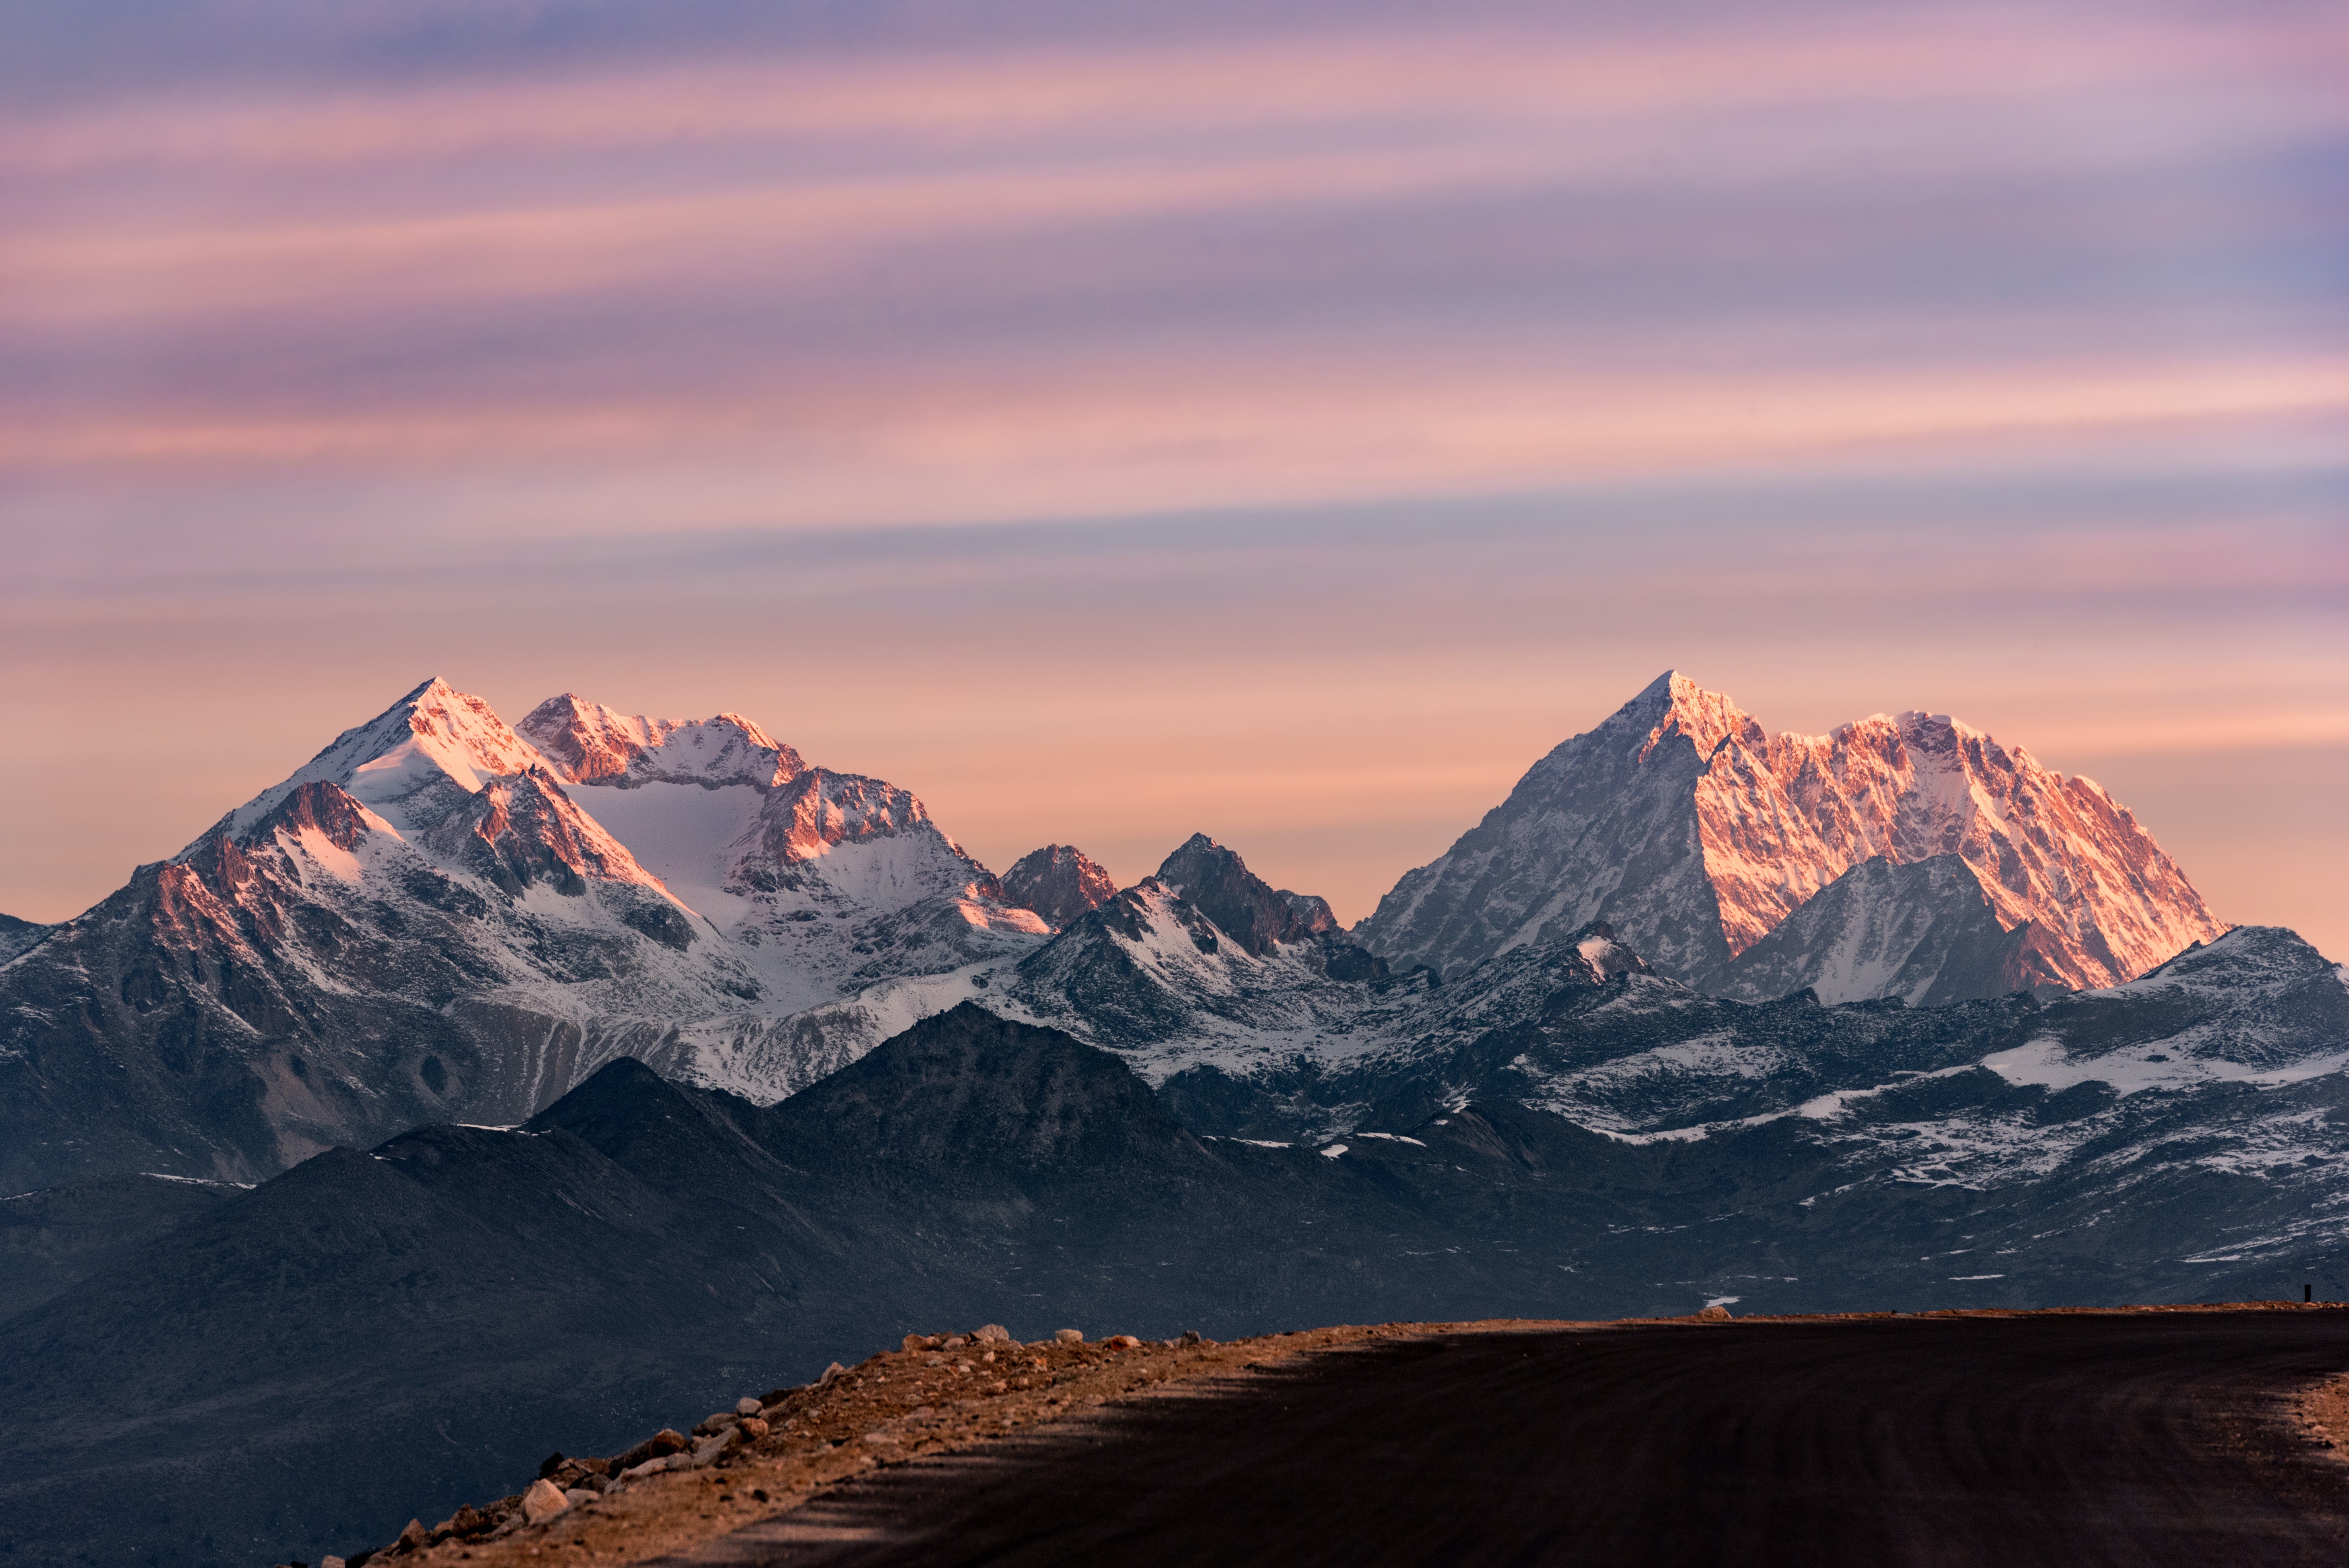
(1677, 706)
(592, 744)
(1684, 823)
(435, 732)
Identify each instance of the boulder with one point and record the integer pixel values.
(1069, 1336)
(747, 1407)
(993, 1334)
(661, 1445)
(542, 1502)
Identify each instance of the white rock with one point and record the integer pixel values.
(747, 1407)
(543, 1502)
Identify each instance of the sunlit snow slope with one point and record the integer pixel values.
(1696, 833)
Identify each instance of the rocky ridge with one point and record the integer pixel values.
(1059, 881)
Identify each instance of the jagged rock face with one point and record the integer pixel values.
(1059, 881)
(591, 744)
(1244, 906)
(1151, 973)
(1925, 933)
(1143, 967)
(1680, 820)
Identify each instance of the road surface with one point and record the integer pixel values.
(2154, 1439)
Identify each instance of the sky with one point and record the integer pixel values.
(1283, 420)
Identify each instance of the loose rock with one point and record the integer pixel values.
(1714, 1315)
(661, 1445)
(748, 1406)
(1069, 1336)
(542, 1502)
(993, 1334)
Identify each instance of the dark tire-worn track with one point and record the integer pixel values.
(2155, 1438)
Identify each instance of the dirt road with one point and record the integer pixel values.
(2159, 1438)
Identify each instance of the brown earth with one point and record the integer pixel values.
(2325, 1413)
(945, 1393)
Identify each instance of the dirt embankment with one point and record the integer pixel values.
(769, 1455)
(940, 1393)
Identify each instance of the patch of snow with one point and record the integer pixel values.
(1334, 1150)
(331, 857)
(683, 834)
(2159, 1064)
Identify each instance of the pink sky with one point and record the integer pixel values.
(1287, 424)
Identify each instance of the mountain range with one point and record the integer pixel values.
(441, 917)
